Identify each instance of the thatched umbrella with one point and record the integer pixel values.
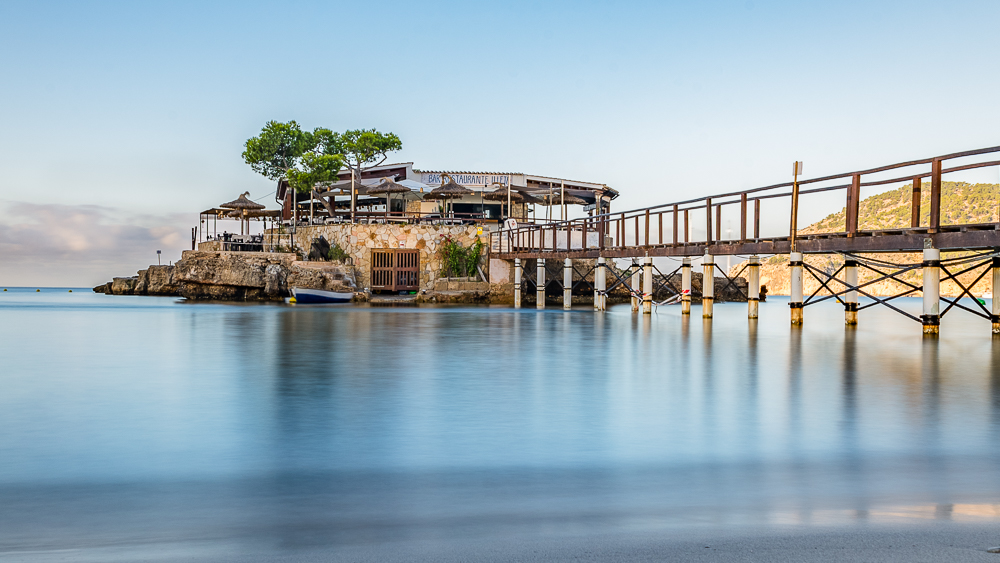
(450, 190)
(243, 205)
(388, 187)
(557, 199)
(505, 195)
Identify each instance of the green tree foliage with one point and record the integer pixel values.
(362, 148)
(313, 169)
(307, 158)
(277, 149)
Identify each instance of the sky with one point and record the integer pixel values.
(119, 121)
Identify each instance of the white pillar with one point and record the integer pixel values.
(686, 286)
(568, 284)
(517, 283)
(599, 286)
(996, 301)
(707, 286)
(795, 302)
(647, 286)
(851, 297)
(753, 288)
(931, 318)
(540, 283)
(635, 284)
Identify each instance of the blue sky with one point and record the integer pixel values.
(139, 110)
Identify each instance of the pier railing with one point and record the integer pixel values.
(673, 225)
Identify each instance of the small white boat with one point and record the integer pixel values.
(302, 295)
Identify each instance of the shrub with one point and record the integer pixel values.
(460, 261)
(337, 254)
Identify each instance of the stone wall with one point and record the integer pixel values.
(359, 240)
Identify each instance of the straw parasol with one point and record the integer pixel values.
(501, 195)
(388, 187)
(450, 190)
(557, 199)
(504, 194)
(243, 205)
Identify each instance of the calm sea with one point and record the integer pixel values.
(142, 421)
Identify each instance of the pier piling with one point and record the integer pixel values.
(795, 302)
(931, 319)
(753, 289)
(686, 286)
(540, 283)
(636, 283)
(517, 283)
(647, 286)
(851, 297)
(568, 284)
(599, 285)
(707, 286)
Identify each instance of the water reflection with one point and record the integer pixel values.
(409, 420)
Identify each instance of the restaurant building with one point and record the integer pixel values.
(544, 197)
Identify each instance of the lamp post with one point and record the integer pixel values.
(157, 257)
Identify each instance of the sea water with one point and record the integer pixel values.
(150, 421)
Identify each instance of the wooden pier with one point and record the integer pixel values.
(668, 230)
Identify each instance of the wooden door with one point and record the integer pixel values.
(395, 269)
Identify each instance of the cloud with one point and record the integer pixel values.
(71, 245)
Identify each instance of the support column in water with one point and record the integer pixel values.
(568, 284)
(707, 286)
(517, 283)
(599, 286)
(851, 297)
(931, 319)
(635, 284)
(540, 283)
(996, 301)
(753, 287)
(795, 303)
(647, 286)
(686, 286)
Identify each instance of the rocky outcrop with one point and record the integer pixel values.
(234, 276)
(156, 280)
(321, 275)
(275, 280)
(124, 286)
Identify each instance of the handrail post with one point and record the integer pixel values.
(743, 217)
(852, 205)
(935, 221)
(718, 222)
(756, 219)
(708, 220)
(686, 229)
(677, 218)
(601, 231)
(915, 204)
(646, 240)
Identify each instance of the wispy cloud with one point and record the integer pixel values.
(64, 245)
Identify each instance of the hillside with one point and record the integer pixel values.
(960, 203)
